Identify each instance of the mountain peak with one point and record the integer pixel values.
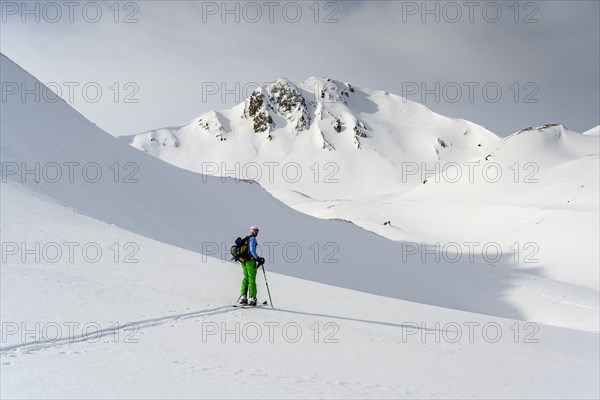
(327, 119)
(295, 103)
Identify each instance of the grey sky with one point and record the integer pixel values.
(177, 52)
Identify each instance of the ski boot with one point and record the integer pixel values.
(252, 301)
(243, 300)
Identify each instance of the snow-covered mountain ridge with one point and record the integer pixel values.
(330, 110)
(321, 121)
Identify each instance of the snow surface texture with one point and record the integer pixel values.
(176, 303)
(172, 294)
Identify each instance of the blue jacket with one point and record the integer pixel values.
(252, 246)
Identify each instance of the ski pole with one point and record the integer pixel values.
(267, 283)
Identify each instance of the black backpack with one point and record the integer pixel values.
(239, 250)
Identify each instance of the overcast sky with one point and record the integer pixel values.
(150, 64)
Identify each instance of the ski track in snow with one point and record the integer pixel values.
(34, 346)
(45, 344)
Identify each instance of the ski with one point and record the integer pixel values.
(264, 303)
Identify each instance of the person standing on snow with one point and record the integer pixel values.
(249, 268)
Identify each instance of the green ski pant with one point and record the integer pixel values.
(249, 269)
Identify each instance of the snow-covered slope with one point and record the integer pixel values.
(593, 132)
(534, 195)
(204, 214)
(158, 324)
